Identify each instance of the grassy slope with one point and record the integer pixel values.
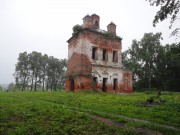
(61, 112)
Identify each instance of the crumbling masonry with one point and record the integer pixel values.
(94, 59)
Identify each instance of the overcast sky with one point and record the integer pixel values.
(45, 26)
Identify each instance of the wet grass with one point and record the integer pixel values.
(69, 113)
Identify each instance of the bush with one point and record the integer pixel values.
(76, 29)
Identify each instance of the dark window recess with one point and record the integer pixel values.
(115, 56)
(115, 84)
(94, 53)
(105, 55)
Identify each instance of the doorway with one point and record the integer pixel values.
(72, 85)
(94, 83)
(104, 87)
(114, 84)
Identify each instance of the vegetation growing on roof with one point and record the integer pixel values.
(76, 29)
(110, 35)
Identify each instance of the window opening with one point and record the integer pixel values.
(94, 53)
(105, 55)
(115, 56)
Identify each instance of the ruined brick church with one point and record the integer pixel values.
(94, 59)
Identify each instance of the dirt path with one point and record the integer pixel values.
(141, 131)
(144, 121)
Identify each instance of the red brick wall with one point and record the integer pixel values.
(102, 41)
(79, 69)
(80, 83)
(78, 64)
(126, 84)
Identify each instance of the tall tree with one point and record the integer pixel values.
(22, 71)
(35, 65)
(172, 74)
(149, 48)
(141, 58)
(53, 66)
(44, 65)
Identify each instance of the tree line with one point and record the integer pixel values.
(36, 71)
(153, 65)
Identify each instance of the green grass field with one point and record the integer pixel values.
(36, 113)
